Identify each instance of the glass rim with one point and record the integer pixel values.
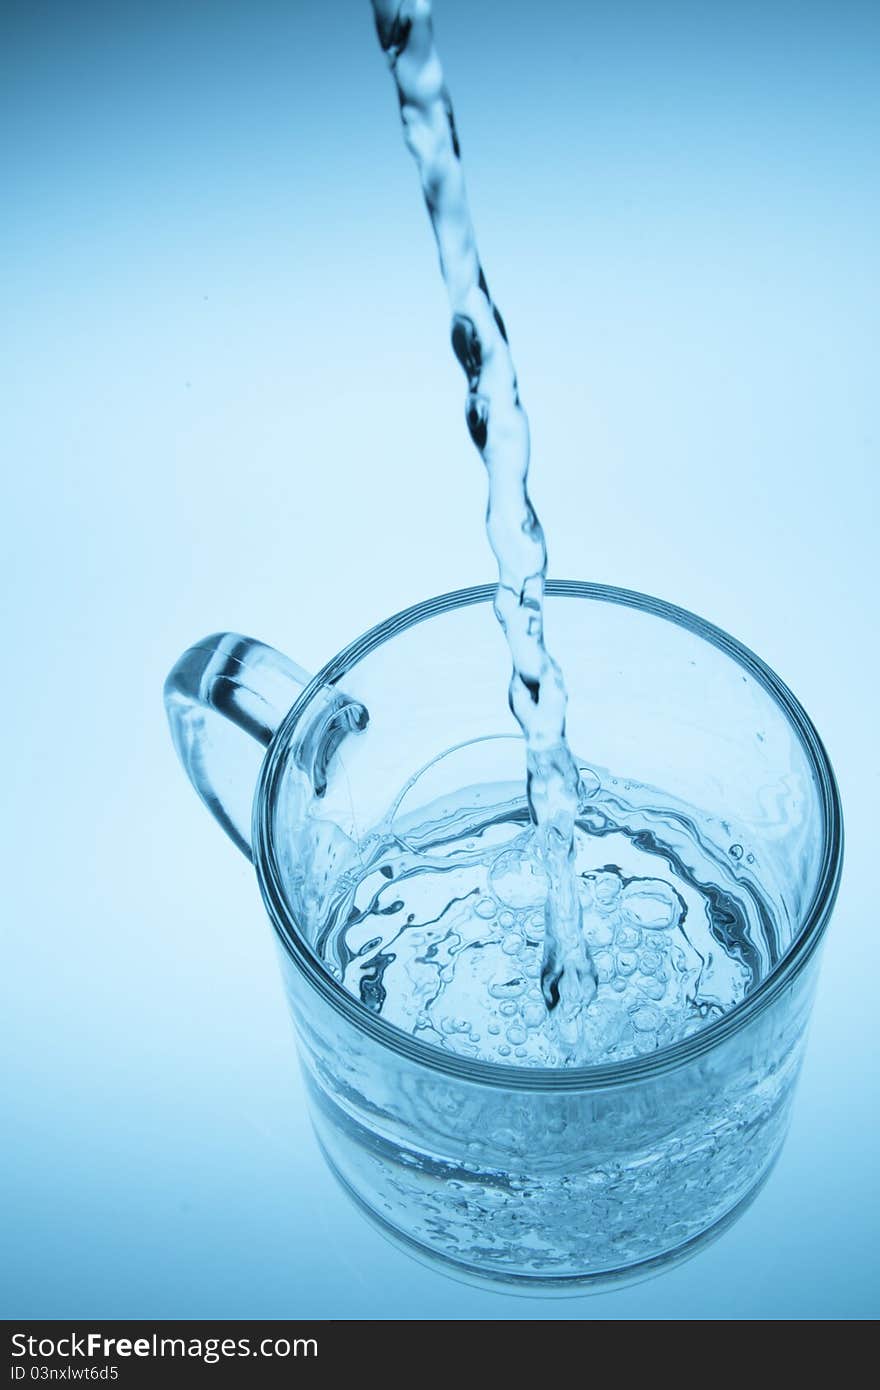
(602, 1075)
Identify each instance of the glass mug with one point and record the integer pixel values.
(528, 1178)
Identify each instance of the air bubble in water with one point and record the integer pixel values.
(646, 1018)
(650, 904)
(518, 880)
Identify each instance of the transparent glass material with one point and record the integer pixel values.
(527, 1177)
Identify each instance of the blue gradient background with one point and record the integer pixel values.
(228, 401)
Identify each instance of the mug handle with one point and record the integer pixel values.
(227, 679)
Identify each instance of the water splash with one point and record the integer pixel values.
(438, 926)
(499, 427)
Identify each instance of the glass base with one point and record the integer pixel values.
(561, 1286)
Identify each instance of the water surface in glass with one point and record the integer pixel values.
(426, 902)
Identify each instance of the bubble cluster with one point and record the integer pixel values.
(450, 950)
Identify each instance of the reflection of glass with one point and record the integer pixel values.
(528, 1175)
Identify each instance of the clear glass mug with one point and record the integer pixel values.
(529, 1178)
